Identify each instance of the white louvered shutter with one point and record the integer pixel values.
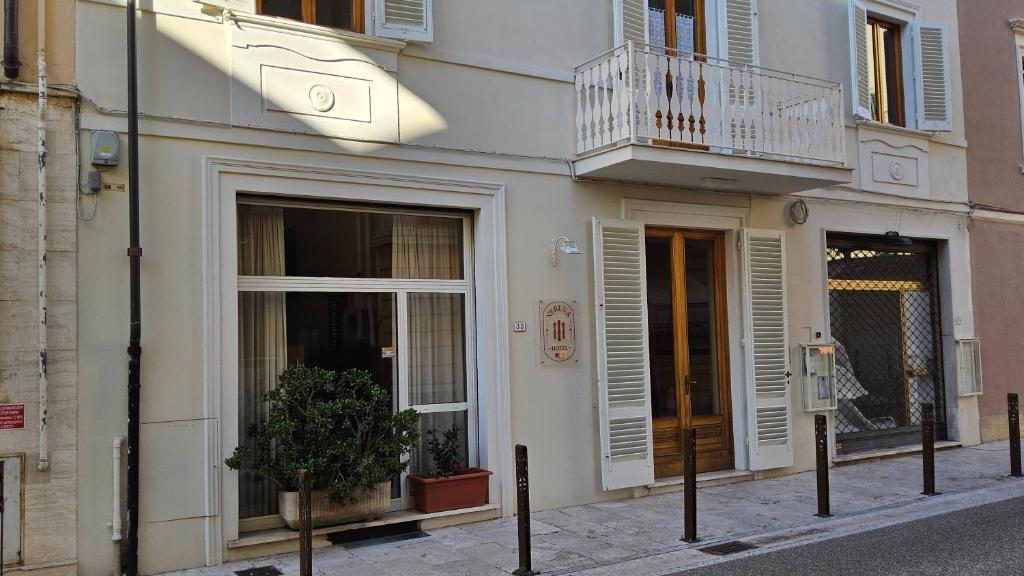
(630, 21)
(404, 19)
(933, 93)
(624, 381)
(859, 60)
(741, 31)
(968, 356)
(766, 347)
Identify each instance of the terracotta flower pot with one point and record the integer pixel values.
(466, 490)
(372, 504)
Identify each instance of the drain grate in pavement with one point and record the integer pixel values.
(726, 548)
(260, 571)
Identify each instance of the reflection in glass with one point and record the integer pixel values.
(334, 13)
(283, 8)
(326, 242)
(437, 348)
(700, 327)
(883, 71)
(661, 328)
(420, 461)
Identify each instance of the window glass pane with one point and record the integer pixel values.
(885, 77)
(661, 328)
(336, 331)
(284, 8)
(336, 13)
(437, 348)
(348, 244)
(700, 327)
(421, 462)
(262, 356)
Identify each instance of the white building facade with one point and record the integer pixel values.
(396, 185)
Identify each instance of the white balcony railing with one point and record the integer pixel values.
(639, 94)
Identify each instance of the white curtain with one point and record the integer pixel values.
(431, 247)
(262, 339)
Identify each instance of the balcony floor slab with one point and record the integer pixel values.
(713, 170)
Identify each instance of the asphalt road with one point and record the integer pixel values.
(987, 540)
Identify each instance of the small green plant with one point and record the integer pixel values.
(339, 427)
(446, 453)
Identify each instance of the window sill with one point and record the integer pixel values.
(305, 29)
(861, 123)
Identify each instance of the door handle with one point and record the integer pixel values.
(687, 383)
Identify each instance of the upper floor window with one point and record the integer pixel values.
(677, 25)
(344, 14)
(900, 67)
(885, 71)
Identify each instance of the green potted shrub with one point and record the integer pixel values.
(339, 427)
(450, 486)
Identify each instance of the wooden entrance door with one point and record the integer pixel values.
(689, 351)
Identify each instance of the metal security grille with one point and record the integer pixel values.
(884, 313)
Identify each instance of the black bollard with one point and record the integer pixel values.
(305, 525)
(928, 448)
(523, 510)
(821, 460)
(1013, 415)
(689, 485)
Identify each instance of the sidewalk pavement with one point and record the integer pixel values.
(642, 535)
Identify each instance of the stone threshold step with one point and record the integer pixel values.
(851, 458)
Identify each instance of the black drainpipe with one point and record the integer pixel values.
(135, 338)
(12, 66)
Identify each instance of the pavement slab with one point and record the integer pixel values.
(641, 536)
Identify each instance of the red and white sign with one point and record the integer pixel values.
(558, 339)
(12, 416)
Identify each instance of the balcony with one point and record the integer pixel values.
(699, 122)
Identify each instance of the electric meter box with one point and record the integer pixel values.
(819, 375)
(105, 148)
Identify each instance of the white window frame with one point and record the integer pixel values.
(227, 178)
(907, 17)
(401, 288)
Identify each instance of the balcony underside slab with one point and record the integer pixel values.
(640, 163)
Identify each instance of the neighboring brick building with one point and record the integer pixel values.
(992, 40)
(41, 488)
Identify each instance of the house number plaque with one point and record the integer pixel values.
(558, 334)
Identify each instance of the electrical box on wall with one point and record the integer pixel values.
(819, 375)
(105, 148)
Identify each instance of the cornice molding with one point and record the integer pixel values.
(1017, 25)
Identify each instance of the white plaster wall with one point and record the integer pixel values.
(496, 77)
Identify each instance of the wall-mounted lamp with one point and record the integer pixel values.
(565, 245)
(896, 239)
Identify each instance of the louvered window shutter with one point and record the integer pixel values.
(766, 348)
(741, 31)
(630, 21)
(404, 19)
(933, 93)
(624, 381)
(859, 60)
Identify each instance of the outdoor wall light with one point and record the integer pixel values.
(565, 245)
(896, 239)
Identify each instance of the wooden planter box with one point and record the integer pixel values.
(372, 504)
(466, 490)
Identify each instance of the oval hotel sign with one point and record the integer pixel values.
(558, 337)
